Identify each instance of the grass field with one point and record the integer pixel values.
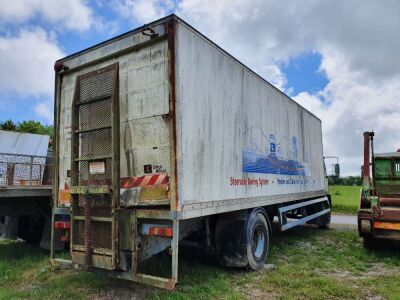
(306, 263)
(344, 198)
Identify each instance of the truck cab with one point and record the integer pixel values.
(379, 208)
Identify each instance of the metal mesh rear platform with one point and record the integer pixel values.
(93, 176)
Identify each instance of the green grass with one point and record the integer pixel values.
(25, 273)
(344, 198)
(308, 264)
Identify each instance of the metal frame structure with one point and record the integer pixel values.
(32, 173)
(284, 225)
(378, 214)
(91, 190)
(169, 283)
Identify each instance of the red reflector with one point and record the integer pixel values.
(385, 225)
(62, 225)
(161, 231)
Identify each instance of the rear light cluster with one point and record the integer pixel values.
(161, 231)
(62, 225)
(157, 230)
(385, 225)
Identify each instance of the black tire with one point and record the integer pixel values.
(30, 228)
(325, 221)
(369, 242)
(258, 239)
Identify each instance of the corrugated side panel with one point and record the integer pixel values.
(23, 143)
(143, 81)
(238, 137)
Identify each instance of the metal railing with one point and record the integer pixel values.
(25, 170)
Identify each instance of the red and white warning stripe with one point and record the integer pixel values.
(146, 180)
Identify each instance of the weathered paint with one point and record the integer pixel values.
(232, 112)
(225, 116)
(193, 114)
(84, 189)
(143, 98)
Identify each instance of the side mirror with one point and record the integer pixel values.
(334, 169)
(337, 169)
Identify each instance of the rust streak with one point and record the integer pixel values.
(171, 28)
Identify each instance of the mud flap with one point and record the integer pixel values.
(230, 239)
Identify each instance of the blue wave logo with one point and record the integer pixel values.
(259, 163)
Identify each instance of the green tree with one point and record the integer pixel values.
(28, 127)
(31, 127)
(348, 180)
(34, 127)
(49, 130)
(8, 125)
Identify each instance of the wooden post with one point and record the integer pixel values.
(10, 173)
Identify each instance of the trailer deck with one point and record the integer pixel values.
(25, 191)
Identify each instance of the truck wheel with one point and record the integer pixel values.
(258, 239)
(30, 228)
(369, 242)
(325, 221)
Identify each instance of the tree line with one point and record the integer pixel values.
(27, 127)
(348, 180)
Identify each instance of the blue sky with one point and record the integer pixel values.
(339, 59)
(301, 72)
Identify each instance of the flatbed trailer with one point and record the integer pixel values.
(25, 189)
(162, 136)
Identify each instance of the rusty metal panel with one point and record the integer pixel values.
(120, 44)
(144, 111)
(94, 167)
(238, 136)
(143, 94)
(148, 145)
(126, 230)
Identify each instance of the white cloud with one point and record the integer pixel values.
(357, 41)
(26, 61)
(71, 14)
(351, 104)
(143, 11)
(359, 49)
(260, 31)
(45, 111)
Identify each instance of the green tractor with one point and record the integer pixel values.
(379, 208)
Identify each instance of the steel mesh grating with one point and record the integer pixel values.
(96, 211)
(95, 143)
(94, 225)
(78, 230)
(17, 170)
(101, 235)
(96, 114)
(96, 86)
